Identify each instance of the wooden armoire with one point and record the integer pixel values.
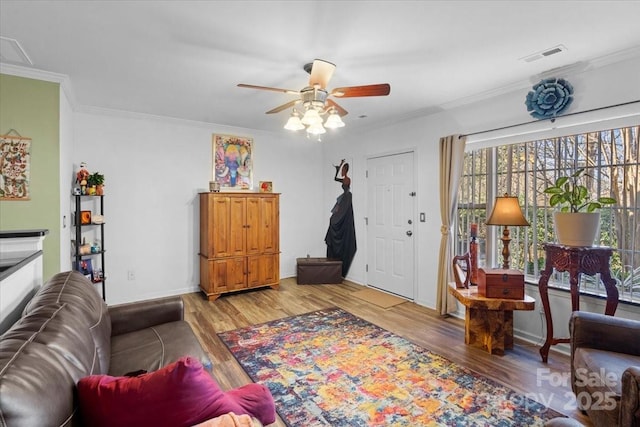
(239, 242)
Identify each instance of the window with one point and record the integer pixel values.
(612, 162)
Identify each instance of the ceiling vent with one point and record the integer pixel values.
(543, 54)
(11, 51)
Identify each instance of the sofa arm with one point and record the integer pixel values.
(143, 314)
(595, 330)
(630, 399)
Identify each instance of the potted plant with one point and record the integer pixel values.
(95, 182)
(578, 221)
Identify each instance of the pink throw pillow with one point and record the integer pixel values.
(180, 394)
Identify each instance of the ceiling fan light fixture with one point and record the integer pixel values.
(333, 121)
(316, 129)
(320, 112)
(294, 122)
(311, 117)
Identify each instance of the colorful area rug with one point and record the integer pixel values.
(331, 368)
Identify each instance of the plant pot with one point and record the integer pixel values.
(576, 228)
(99, 190)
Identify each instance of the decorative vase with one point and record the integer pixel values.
(576, 228)
(100, 190)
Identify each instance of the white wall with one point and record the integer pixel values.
(154, 169)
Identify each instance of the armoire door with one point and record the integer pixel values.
(229, 274)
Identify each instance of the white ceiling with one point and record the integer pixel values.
(183, 59)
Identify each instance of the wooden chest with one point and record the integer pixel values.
(500, 283)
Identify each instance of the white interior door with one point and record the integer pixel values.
(390, 224)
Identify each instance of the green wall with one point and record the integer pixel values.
(32, 107)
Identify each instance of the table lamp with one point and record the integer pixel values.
(506, 212)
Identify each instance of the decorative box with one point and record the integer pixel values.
(500, 283)
(313, 271)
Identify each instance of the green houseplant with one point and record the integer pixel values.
(95, 182)
(572, 196)
(577, 221)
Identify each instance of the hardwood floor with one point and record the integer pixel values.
(520, 368)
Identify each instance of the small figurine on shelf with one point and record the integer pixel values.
(81, 178)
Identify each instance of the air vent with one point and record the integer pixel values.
(11, 51)
(547, 52)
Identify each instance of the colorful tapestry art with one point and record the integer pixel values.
(15, 163)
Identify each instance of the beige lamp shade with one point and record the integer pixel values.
(506, 211)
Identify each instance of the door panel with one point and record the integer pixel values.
(237, 232)
(390, 212)
(220, 233)
(263, 269)
(253, 271)
(271, 272)
(253, 225)
(229, 274)
(269, 225)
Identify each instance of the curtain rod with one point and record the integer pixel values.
(552, 119)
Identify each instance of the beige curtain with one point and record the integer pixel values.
(451, 159)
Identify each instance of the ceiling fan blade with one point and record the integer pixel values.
(284, 106)
(341, 111)
(274, 89)
(321, 73)
(369, 90)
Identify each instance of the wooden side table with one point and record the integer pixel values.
(488, 322)
(576, 260)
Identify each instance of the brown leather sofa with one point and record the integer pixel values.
(605, 368)
(67, 332)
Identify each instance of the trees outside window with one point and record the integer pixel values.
(611, 159)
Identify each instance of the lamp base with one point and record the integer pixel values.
(505, 247)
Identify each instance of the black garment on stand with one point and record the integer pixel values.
(341, 235)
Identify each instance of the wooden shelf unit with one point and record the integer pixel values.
(95, 231)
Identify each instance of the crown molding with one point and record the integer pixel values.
(134, 115)
(47, 76)
(591, 64)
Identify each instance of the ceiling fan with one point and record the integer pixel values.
(315, 99)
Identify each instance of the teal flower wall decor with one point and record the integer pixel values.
(549, 98)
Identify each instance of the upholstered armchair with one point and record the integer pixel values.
(605, 368)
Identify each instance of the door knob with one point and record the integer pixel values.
(409, 233)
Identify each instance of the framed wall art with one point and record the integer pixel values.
(86, 268)
(266, 187)
(15, 165)
(233, 162)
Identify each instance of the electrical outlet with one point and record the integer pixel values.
(131, 275)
